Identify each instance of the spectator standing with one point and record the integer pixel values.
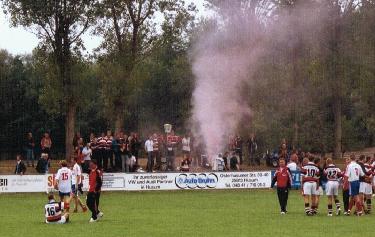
(116, 151)
(283, 149)
(78, 151)
(108, 151)
(87, 154)
(20, 166)
(186, 147)
(252, 149)
(29, 149)
(172, 142)
(101, 148)
(156, 151)
(94, 147)
(135, 146)
(149, 147)
(76, 137)
(238, 147)
(42, 165)
(125, 156)
(46, 144)
(233, 162)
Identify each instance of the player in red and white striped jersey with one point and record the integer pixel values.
(53, 211)
(333, 175)
(310, 178)
(365, 188)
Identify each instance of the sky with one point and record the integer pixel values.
(18, 40)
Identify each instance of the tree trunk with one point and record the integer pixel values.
(69, 130)
(119, 122)
(337, 127)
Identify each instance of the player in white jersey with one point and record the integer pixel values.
(77, 186)
(63, 183)
(353, 173)
(333, 175)
(53, 211)
(310, 178)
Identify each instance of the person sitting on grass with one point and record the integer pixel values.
(53, 211)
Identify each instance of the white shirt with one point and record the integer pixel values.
(218, 164)
(149, 145)
(86, 153)
(354, 171)
(64, 176)
(292, 166)
(76, 171)
(186, 144)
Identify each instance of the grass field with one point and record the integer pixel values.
(181, 213)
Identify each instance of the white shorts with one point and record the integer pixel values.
(61, 221)
(365, 188)
(309, 188)
(332, 188)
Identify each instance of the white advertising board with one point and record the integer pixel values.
(146, 181)
(213, 180)
(22, 183)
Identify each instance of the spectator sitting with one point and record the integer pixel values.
(42, 164)
(233, 161)
(20, 166)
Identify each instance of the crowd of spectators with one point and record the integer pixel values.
(120, 152)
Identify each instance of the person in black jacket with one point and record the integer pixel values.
(20, 166)
(283, 178)
(93, 196)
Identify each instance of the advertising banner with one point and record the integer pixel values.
(22, 183)
(213, 180)
(146, 181)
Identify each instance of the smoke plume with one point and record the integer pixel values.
(225, 59)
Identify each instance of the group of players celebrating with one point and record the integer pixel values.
(357, 181)
(68, 182)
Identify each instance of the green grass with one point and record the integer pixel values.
(181, 213)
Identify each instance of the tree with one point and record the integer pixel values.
(129, 31)
(59, 24)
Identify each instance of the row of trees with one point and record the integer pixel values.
(314, 87)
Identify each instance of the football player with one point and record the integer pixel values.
(310, 178)
(77, 186)
(63, 183)
(354, 172)
(365, 187)
(53, 211)
(333, 175)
